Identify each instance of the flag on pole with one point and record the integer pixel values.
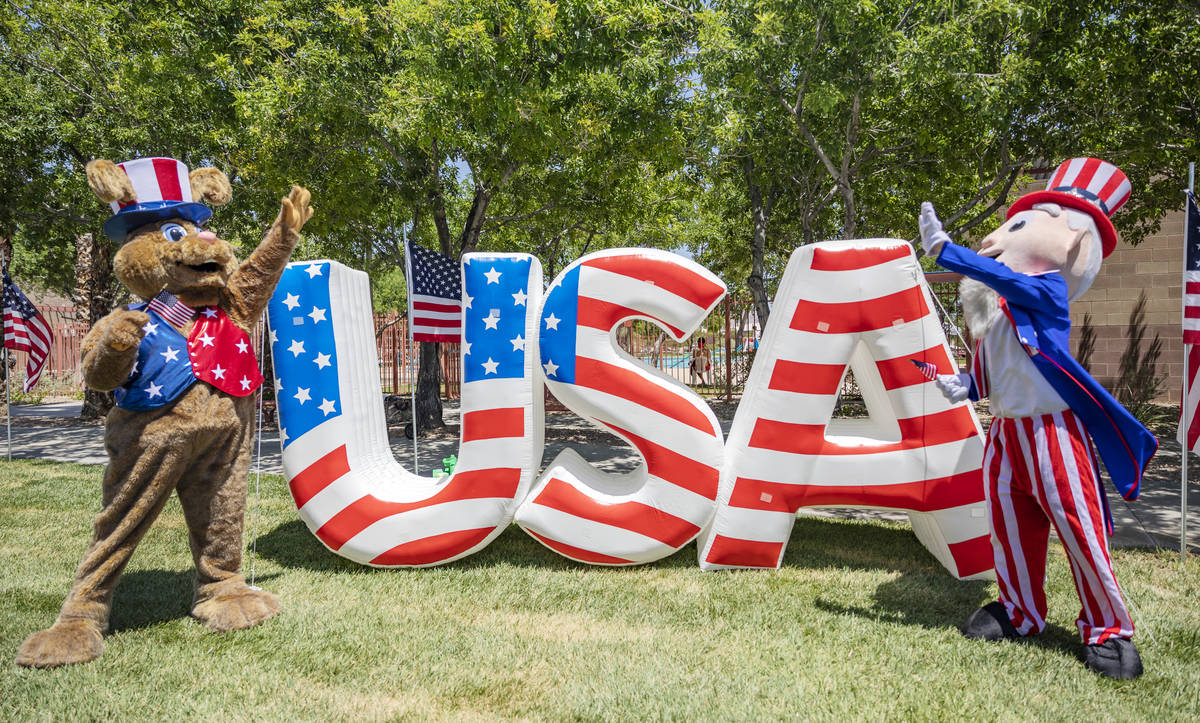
(1189, 420)
(434, 295)
(25, 330)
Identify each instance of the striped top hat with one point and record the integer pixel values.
(1090, 185)
(163, 191)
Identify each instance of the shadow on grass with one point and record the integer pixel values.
(144, 598)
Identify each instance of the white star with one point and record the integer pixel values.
(297, 348)
(242, 346)
(552, 321)
(171, 354)
(489, 366)
(245, 383)
(551, 368)
(518, 343)
(493, 276)
(135, 368)
(466, 346)
(205, 339)
(291, 301)
(283, 435)
(467, 301)
(278, 386)
(313, 271)
(326, 406)
(321, 361)
(274, 337)
(154, 390)
(317, 314)
(302, 394)
(490, 321)
(150, 328)
(210, 313)
(218, 372)
(519, 298)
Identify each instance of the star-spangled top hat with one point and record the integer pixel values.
(1091, 185)
(162, 190)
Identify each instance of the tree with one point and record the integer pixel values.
(879, 106)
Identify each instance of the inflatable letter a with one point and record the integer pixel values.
(860, 304)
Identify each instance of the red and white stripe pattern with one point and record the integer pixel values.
(613, 519)
(1189, 410)
(979, 370)
(1041, 471)
(860, 303)
(156, 179)
(1098, 179)
(359, 501)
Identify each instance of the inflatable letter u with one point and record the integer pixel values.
(348, 487)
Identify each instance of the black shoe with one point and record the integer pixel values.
(1114, 658)
(990, 622)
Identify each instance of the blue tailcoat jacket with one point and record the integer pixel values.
(1040, 308)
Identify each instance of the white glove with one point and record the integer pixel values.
(954, 387)
(932, 234)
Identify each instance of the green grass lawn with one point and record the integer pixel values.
(860, 622)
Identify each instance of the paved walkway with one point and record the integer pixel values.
(1152, 521)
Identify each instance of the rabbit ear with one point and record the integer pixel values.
(109, 182)
(211, 186)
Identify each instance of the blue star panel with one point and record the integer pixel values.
(494, 328)
(557, 327)
(302, 347)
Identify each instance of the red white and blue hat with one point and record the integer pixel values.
(162, 191)
(1090, 185)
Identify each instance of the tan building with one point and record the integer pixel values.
(1156, 266)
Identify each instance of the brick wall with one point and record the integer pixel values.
(1155, 265)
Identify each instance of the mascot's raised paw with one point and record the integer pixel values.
(294, 210)
(237, 609)
(65, 643)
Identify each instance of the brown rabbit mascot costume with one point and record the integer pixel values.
(184, 375)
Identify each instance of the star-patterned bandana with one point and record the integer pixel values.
(216, 351)
(222, 355)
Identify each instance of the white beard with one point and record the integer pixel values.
(981, 306)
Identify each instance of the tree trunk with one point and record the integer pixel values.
(469, 240)
(760, 216)
(94, 293)
(429, 388)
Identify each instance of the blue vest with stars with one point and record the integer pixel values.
(163, 370)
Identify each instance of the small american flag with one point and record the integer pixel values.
(434, 295)
(1189, 423)
(929, 371)
(25, 330)
(172, 309)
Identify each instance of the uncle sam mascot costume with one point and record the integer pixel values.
(1040, 463)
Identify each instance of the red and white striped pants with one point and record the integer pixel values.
(1042, 471)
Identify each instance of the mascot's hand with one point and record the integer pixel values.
(294, 211)
(126, 330)
(932, 234)
(954, 387)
